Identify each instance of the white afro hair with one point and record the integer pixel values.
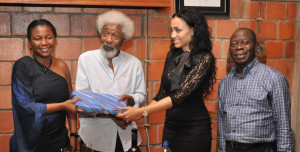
(119, 18)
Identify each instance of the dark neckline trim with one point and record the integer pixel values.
(45, 69)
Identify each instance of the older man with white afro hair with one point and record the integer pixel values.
(109, 70)
(119, 18)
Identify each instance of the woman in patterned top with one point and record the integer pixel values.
(41, 87)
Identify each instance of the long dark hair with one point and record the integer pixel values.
(201, 42)
(36, 23)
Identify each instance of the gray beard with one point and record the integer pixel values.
(109, 54)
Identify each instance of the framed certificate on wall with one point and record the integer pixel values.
(208, 7)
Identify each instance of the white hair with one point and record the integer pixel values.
(118, 18)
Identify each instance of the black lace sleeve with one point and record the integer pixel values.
(194, 78)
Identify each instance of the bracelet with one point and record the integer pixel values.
(74, 134)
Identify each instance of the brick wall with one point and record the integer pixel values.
(77, 33)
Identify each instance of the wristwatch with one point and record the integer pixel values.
(145, 113)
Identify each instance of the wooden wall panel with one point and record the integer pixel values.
(127, 3)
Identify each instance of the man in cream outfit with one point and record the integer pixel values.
(111, 71)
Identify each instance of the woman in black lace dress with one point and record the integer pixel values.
(188, 76)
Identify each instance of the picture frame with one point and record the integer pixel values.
(207, 7)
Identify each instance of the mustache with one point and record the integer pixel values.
(108, 45)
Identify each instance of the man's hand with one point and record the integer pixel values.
(120, 122)
(128, 99)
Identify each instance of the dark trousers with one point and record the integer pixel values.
(84, 148)
(260, 147)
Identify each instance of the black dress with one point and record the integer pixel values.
(32, 89)
(187, 126)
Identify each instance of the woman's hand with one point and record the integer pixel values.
(69, 105)
(130, 114)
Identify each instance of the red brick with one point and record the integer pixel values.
(83, 25)
(20, 22)
(214, 94)
(268, 29)
(263, 10)
(137, 26)
(271, 63)
(158, 117)
(10, 8)
(291, 11)
(60, 22)
(156, 88)
(225, 31)
(252, 9)
(286, 67)
(275, 10)
(140, 45)
(287, 30)
(4, 24)
(211, 25)
(5, 93)
(214, 129)
(142, 132)
(225, 48)
(37, 9)
(216, 105)
(160, 48)
(250, 24)
(221, 69)
(95, 10)
(91, 44)
(160, 130)
(6, 121)
(128, 46)
(290, 81)
(126, 10)
(214, 145)
(259, 38)
(155, 148)
(216, 48)
(150, 91)
(158, 27)
(237, 8)
(290, 49)
(68, 48)
(274, 49)
(75, 64)
(69, 64)
(155, 70)
(140, 121)
(4, 142)
(28, 52)
(11, 49)
(210, 105)
(153, 134)
(169, 10)
(67, 9)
